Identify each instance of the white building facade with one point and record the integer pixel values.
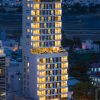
(45, 63)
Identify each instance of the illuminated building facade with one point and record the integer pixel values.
(2, 74)
(45, 63)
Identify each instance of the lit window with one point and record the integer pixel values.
(58, 12)
(28, 17)
(35, 38)
(48, 31)
(43, 73)
(41, 80)
(0, 71)
(58, 5)
(41, 67)
(36, 19)
(56, 78)
(36, 6)
(63, 71)
(44, 25)
(64, 95)
(37, 0)
(64, 77)
(28, 30)
(57, 37)
(64, 65)
(42, 98)
(57, 84)
(27, 64)
(50, 84)
(28, 5)
(40, 93)
(42, 86)
(64, 90)
(64, 58)
(57, 18)
(57, 30)
(42, 6)
(51, 12)
(1, 51)
(49, 18)
(35, 25)
(36, 31)
(56, 91)
(42, 19)
(57, 43)
(35, 12)
(43, 60)
(63, 83)
(36, 44)
(58, 24)
(27, 70)
(48, 91)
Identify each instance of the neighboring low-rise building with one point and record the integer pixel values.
(2, 73)
(95, 78)
(11, 2)
(95, 74)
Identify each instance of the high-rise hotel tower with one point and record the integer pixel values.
(45, 63)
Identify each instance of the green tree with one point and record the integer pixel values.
(79, 71)
(83, 91)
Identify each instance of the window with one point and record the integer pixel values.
(36, 6)
(42, 86)
(35, 12)
(35, 38)
(36, 44)
(63, 83)
(28, 17)
(57, 30)
(0, 71)
(64, 77)
(36, 19)
(64, 90)
(58, 5)
(63, 95)
(37, 31)
(57, 18)
(41, 67)
(57, 37)
(58, 12)
(37, 0)
(40, 93)
(51, 12)
(43, 73)
(43, 60)
(57, 43)
(64, 65)
(1, 51)
(28, 30)
(28, 64)
(63, 71)
(58, 24)
(28, 5)
(41, 80)
(35, 25)
(64, 58)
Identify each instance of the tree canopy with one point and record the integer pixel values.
(84, 91)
